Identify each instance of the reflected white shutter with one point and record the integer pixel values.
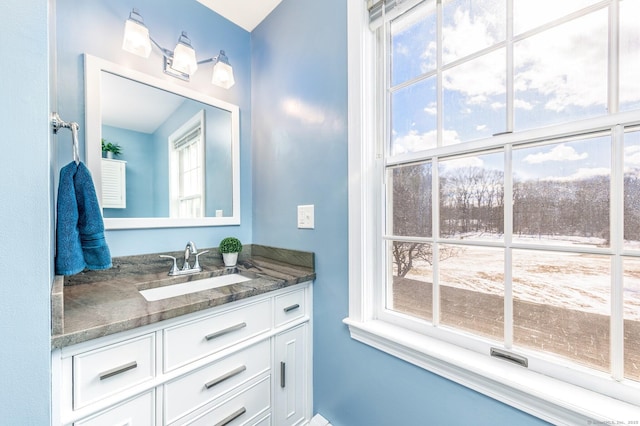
(114, 184)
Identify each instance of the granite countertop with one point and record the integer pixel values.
(93, 304)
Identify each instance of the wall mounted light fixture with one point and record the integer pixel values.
(179, 63)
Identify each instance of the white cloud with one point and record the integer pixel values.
(582, 173)
(573, 72)
(529, 14)
(468, 35)
(565, 66)
(558, 153)
(431, 109)
(414, 141)
(632, 156)
(461, 163)
(481, 127)
(522, 104)
(478, 79)
(450, 137)
(401, 49)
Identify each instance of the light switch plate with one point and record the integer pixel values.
(305, 217)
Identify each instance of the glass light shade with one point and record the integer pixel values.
(136, 38)
(184, 59)
(223, 75)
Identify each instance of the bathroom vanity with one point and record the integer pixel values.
(234, 355)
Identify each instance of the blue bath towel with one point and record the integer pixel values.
(80, 241)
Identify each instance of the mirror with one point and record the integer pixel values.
(179, 163)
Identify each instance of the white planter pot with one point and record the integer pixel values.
(230, 259)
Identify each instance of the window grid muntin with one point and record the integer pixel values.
(507, 142)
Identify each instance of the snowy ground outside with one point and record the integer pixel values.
(566, 280)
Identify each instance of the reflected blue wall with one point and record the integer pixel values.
(138, 151)
(300, 147)
(96, 27)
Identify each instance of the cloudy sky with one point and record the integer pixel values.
(560, 74)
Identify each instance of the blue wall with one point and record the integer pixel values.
(96, 27)
(25, 215)
(300, 157)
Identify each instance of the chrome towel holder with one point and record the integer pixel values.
(57, 123)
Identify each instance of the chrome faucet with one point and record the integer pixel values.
(186, 269)
(190, 248)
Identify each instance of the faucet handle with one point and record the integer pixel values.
(174, 268)
(196, 265)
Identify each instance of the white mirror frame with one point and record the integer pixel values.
(93, 68)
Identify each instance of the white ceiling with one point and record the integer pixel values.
(245, 13)
(146, 107)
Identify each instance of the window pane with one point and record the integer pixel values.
(472, 197)
(528, 14)
(632, 190)
(475, 98)
(562, 304)
(629, 55)
(411, 200)
(561, 73)
(561, 193)
(472, 289)
(470, 26)
(413, 44)
(413, 118)
(411, 287)
(631, 294)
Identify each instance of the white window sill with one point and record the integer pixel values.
(539, 395)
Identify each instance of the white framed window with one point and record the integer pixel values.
(187, 169)
(493, 197)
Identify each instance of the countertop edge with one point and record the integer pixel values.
(154, 312)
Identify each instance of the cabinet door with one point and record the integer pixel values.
(292, 375)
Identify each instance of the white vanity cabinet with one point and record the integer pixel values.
(292, 363)
(244, 363)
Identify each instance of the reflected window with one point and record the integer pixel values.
(186, 159)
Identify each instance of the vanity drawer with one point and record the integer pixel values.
(137, 411)
(108, 370)
(208, 383)
(188, 342)
(246, 408)
(289, 307)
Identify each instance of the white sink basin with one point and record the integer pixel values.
(165, 292)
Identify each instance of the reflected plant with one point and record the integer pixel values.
(114, 148)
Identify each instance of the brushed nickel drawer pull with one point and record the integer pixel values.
(224, 377)
(232, 417)
(115, 371)
(283, 369)
(226, 331)
(291, 308)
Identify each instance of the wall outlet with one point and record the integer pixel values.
(305, 217)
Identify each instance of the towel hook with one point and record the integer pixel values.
(57, 123)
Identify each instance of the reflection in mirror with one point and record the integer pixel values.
(179, 162)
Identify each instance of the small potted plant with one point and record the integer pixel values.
(110, 149)
(230, 247)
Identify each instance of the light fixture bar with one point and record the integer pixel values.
(179, 63)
